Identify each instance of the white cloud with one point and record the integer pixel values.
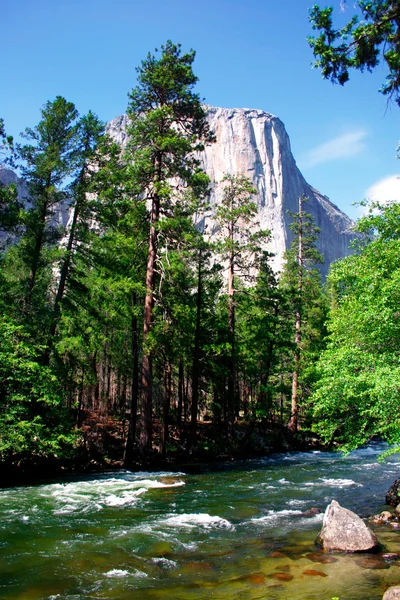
(385, 190)
(344, 146)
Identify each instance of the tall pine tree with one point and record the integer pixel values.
(167, 125)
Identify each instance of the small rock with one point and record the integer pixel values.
(390, 556)
(255, 578)
(397, 510)
(371, 562)
(383, 517)
(314, 573)
(344, 531)
(386, 515)
(311, 512)
(394, 525)
(281, 576)
(393, 593)
(319, 557)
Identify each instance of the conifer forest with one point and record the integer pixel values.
(130, 336)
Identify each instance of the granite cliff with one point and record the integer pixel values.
(255, 143)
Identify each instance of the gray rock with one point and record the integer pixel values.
(255, 143)
(7, 176)
(393, 494)
(383, 517)
(393, 593)
(344, 531)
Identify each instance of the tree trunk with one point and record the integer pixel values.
(147, 371)
(293, 423)
(39, 238)
(131, 438)
(166, 407)
(232, 358)
(63, 280)
(181, 383)
(196, 358)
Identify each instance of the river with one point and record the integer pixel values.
(234, 530)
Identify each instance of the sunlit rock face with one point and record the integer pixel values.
(255, 143)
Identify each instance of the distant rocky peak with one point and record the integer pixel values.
(255, 143)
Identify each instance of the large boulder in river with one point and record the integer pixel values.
(344, 531)
(392, 496)
(393, 593)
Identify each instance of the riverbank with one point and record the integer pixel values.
(102, 445)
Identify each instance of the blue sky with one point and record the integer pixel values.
(249, 54)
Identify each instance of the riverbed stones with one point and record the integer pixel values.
(383, 518)
(393, 593)
(344, 531)
(314, 573)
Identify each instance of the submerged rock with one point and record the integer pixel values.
(392, 496)
(314, 573)
(393, 593)
(311, 512)
(320, 557)
(281, 576)
(373, 562)
(344, 531)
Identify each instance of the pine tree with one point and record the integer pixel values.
(299, 272)
(87, 164)
(49, 160)
(167, 124)
(240, 248)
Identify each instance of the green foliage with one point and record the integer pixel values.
(49, 160)
(305, 308)
(167, 125)
(6, 142)
(260, 335)
(238, 244)
(356, 396)
(358, 45)
(33, 420)
(10, 206)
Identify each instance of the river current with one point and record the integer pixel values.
(234, 530)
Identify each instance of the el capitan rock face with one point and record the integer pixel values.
(255, 143)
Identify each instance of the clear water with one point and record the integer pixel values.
(231, 531)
